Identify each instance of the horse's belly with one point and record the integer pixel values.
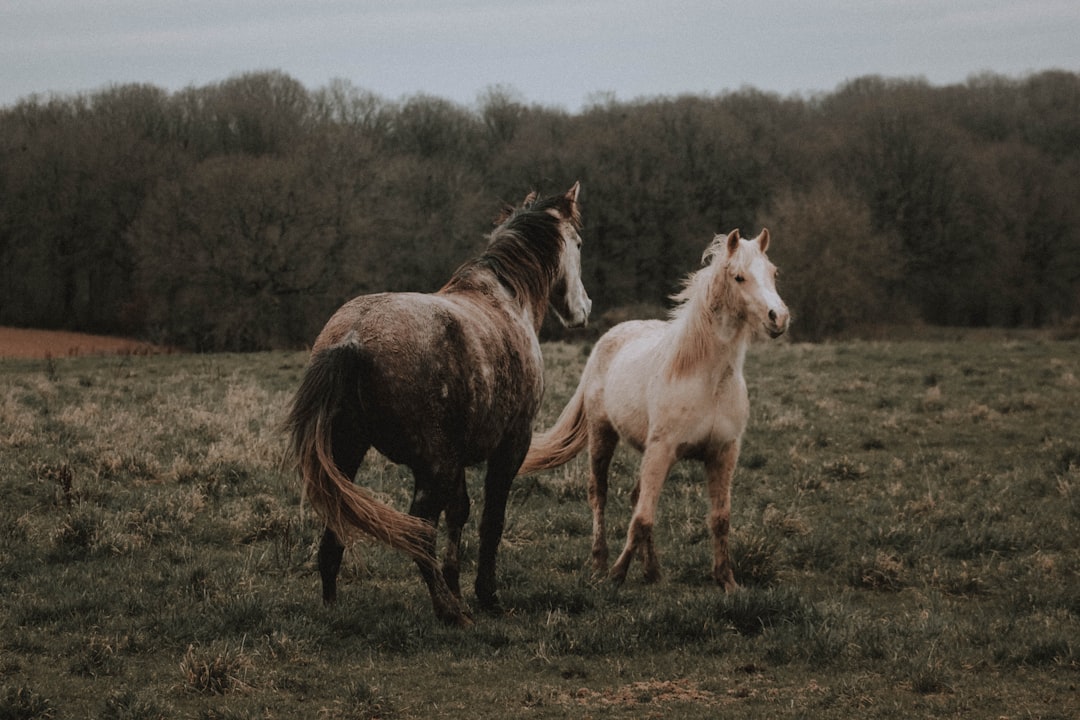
(626, 408)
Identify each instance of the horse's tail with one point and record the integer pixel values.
(562, 442)
(331, 384)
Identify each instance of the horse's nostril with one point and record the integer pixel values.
(772, 315)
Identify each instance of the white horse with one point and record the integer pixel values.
(672, 389)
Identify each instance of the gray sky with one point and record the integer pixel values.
(551, 52)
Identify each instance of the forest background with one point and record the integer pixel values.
(239, 215)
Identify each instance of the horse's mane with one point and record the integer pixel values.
(700, 297)
(701, 282)
(524, 249)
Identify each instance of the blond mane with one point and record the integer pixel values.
(705, 294)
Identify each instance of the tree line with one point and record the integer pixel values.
(238, 215)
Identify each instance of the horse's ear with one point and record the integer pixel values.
(503, 216)
(529, 200)
(571, 210)
(763, 239)
(572, 193)
(733, 241)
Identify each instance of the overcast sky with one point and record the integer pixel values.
(558, 53)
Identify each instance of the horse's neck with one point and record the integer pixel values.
(479, 283)
(701, 342)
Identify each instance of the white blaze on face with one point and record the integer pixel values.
(774, 312)
(577, 300)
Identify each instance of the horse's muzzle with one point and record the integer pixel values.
(581, 317)
(578, 322)
(777, 323)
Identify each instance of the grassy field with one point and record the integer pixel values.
(906, 528)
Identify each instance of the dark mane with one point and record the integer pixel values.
(524, 250)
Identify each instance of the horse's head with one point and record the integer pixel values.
(535, 250)
(569, 301)
(750, 281)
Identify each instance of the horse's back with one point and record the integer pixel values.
(420, 327)
(630, 347)
(390, 319)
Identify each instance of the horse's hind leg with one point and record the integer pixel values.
(457, 514)
(429, 501)
(720, 470)
(330, 553)
(602, 442)
(655, 464)
(348, 451)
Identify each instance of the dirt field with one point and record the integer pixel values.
(23, 343)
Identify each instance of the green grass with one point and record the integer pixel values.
(906, 528)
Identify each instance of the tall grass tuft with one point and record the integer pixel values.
(128, 705)
(215, 670)
(23, 703)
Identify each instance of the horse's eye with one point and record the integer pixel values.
(739, 278)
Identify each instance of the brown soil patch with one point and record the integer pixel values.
(24, 343)
(648, 693)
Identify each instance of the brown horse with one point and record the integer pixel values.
(672, 390)
(438, 382)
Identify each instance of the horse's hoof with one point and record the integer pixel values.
(727, 585)
(490, 605)
(493, 610)
(452, 611)
(459, 617)
(462, 620)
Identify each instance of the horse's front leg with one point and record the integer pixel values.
(655, 464)
(602, 443)
(720, 469)
(502, 466)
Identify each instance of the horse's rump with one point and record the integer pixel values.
(569, 435)
(442, 377)
(328, 390)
